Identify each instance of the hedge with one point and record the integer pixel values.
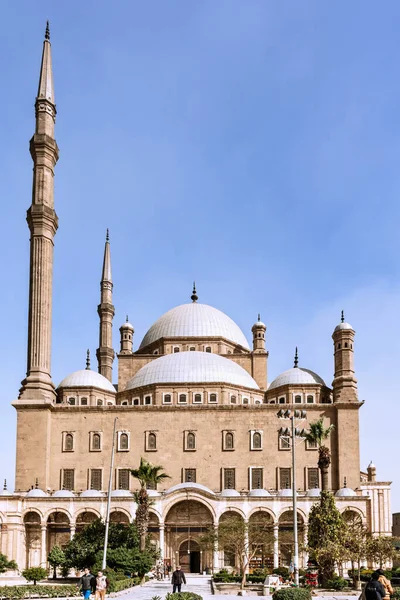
(123, 584)
(38, 591)
(183, 596)
(292, 594)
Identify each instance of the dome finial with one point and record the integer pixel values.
(259, 317)
(345, 482)
(107, 235)
(5, 485)
(296, 358)
(88, 360)
(194, 297)
(342, 317)
(47, 34)
(37, 484)
(126, 320)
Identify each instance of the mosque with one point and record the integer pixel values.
(193, 397)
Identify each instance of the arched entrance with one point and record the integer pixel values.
(186, 522)
(286, 538)
(58, 530)
(33, 541)
(190, 557)
(84, 519)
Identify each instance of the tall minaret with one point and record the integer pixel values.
(43, 223)
(344, 383)
(105, 352)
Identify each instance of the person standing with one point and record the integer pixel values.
(101, 586)
(385, 582)
(374, 590)
(178, 577)
(87, 584)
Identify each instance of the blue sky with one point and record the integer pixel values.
(250, 145)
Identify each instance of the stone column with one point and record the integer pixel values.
(215, 552)
(276, 545)
(162, 543)
(246, 543)
(72, 531)
(43, 552)
(305, 542)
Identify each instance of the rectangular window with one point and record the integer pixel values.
(256, 478)
(190, 476)
(312, 478)
(95, 479)
(285, 478)
(229, 479)
(150, 485)
(68, 479)
(311, 445)
(123, 479)
(284, 442)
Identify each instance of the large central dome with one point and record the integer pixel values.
(194, 320)
(192, 367)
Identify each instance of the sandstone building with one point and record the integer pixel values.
(194, 397)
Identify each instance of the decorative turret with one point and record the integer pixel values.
(126, 331)
(106, 311)
(259, 329)
(43, 223)
(371, 470)
(344, 383)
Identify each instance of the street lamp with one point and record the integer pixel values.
(291, 434)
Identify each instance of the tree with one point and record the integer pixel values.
(34, 574)
(382, 549)
(56, 558)
(7, 565)
(355, 543)
(244, 540)
(317, 435)
(326, 531)
(86, 549)
(145, 474)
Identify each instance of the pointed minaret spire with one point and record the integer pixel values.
(37, 484)
(259, 317)
(43, 223)
(127, 319)
(194, 297)
(88, 360)
(342, 317)
(5, 485)
(47, 34)
(296, 358)
(106, 311)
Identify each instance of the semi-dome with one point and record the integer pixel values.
(344, 492)
(87, 378)
(296, 376)
(192, 367)
(314, 492)
(259, 493)
(91, 494)
(120, 493)
(195, 320)
(229, 493)
(189, 486)
(63, 494)
(36, 493)
(286, 493)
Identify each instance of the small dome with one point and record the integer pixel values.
(314, 492)
(91, 494)
(296, 376)
(87, 378)
(127, 325)
(153, 493)
(259, 493)
(195, 320)
(36, 493)
(287, 492)
(371, 465)
(120, 493)
(229, 493)
(192, 367)
(344, 492)
(343, 326)
(63, 494)
(197, 487)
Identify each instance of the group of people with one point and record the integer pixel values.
(378, 587)
(89, 584)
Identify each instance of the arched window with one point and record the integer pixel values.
(152, 441)
(213, 398)
(176, 349)
(69, 442)
(123, 441)
(191, 441)
(256, 440)
(71, 401)
(99, 402)
(136, 402)
(96, 441)
(282, 400)
(233, 399)
(83, 401)
(245, 401)
(197, 398)
(192, 349)
(229, 440)
(297, 399)
(147, 399)
(167, 399)
(182, 398)
(310, 399)
(208, 349)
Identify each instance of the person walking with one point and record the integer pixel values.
(178, 577)
(101, 586)
(374, 590)
(87, 583)
(385, 582)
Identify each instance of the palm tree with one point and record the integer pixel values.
(317, 435)
(146, 474)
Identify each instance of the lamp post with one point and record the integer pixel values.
(292, 434)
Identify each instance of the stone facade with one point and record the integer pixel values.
(193, 398)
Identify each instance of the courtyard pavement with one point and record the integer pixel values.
(200, 585)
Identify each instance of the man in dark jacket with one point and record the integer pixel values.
(178, 577)
(87, 583)
(374, 590)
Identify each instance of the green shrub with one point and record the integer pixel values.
(16, 592)
(255, 578)
(336, 583)
(183, 596)
(292, 594)
(282, 572)
(396, 594)
(117, 585)
(34, 574)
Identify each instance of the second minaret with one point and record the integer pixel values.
(105, 353)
